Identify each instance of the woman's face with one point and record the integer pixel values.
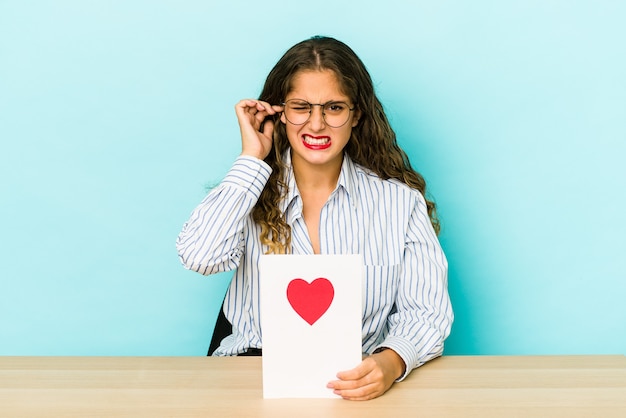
(314, 143)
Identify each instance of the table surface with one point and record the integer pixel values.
(451, 386)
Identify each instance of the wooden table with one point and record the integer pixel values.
(452, 386)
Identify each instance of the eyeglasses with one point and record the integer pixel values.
(335, 114)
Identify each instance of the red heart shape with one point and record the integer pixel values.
(310, 301)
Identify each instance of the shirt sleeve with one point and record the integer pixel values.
(423, 315)
(211, 241)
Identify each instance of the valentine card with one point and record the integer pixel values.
(310, 321)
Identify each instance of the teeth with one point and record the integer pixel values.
(316, 141)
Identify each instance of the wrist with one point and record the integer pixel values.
(394, 359)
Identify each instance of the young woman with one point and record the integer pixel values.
(320, 172)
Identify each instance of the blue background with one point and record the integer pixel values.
(115, 117)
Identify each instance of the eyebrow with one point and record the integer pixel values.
(346, 101)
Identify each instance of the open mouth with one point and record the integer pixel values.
(316, 142)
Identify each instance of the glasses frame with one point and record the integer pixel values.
(322, 106)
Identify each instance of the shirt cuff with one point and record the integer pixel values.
(405, 349)
(249, 173)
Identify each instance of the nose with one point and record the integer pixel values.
(316, 120)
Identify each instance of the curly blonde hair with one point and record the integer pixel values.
(372, 143)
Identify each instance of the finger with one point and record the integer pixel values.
(270, 109)
(261, 115)
(362, 393)
(366, 388)
(365, 367)
(264, 108)
(243, 109)
(254, 107)
(261, 105)
(250, 112)
(268, 128)
(249, 106)
(246, 103)
(368, 379)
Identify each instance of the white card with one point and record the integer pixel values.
(311, 322)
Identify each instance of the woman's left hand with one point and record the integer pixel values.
(370, 379)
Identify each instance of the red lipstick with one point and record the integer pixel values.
(316, 143)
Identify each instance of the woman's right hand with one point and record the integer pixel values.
(256, 132)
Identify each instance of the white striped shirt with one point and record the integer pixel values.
(406, 303)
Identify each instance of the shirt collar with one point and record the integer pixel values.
(347, 181)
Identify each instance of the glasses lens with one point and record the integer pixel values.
(335, 114)
(297, 111)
